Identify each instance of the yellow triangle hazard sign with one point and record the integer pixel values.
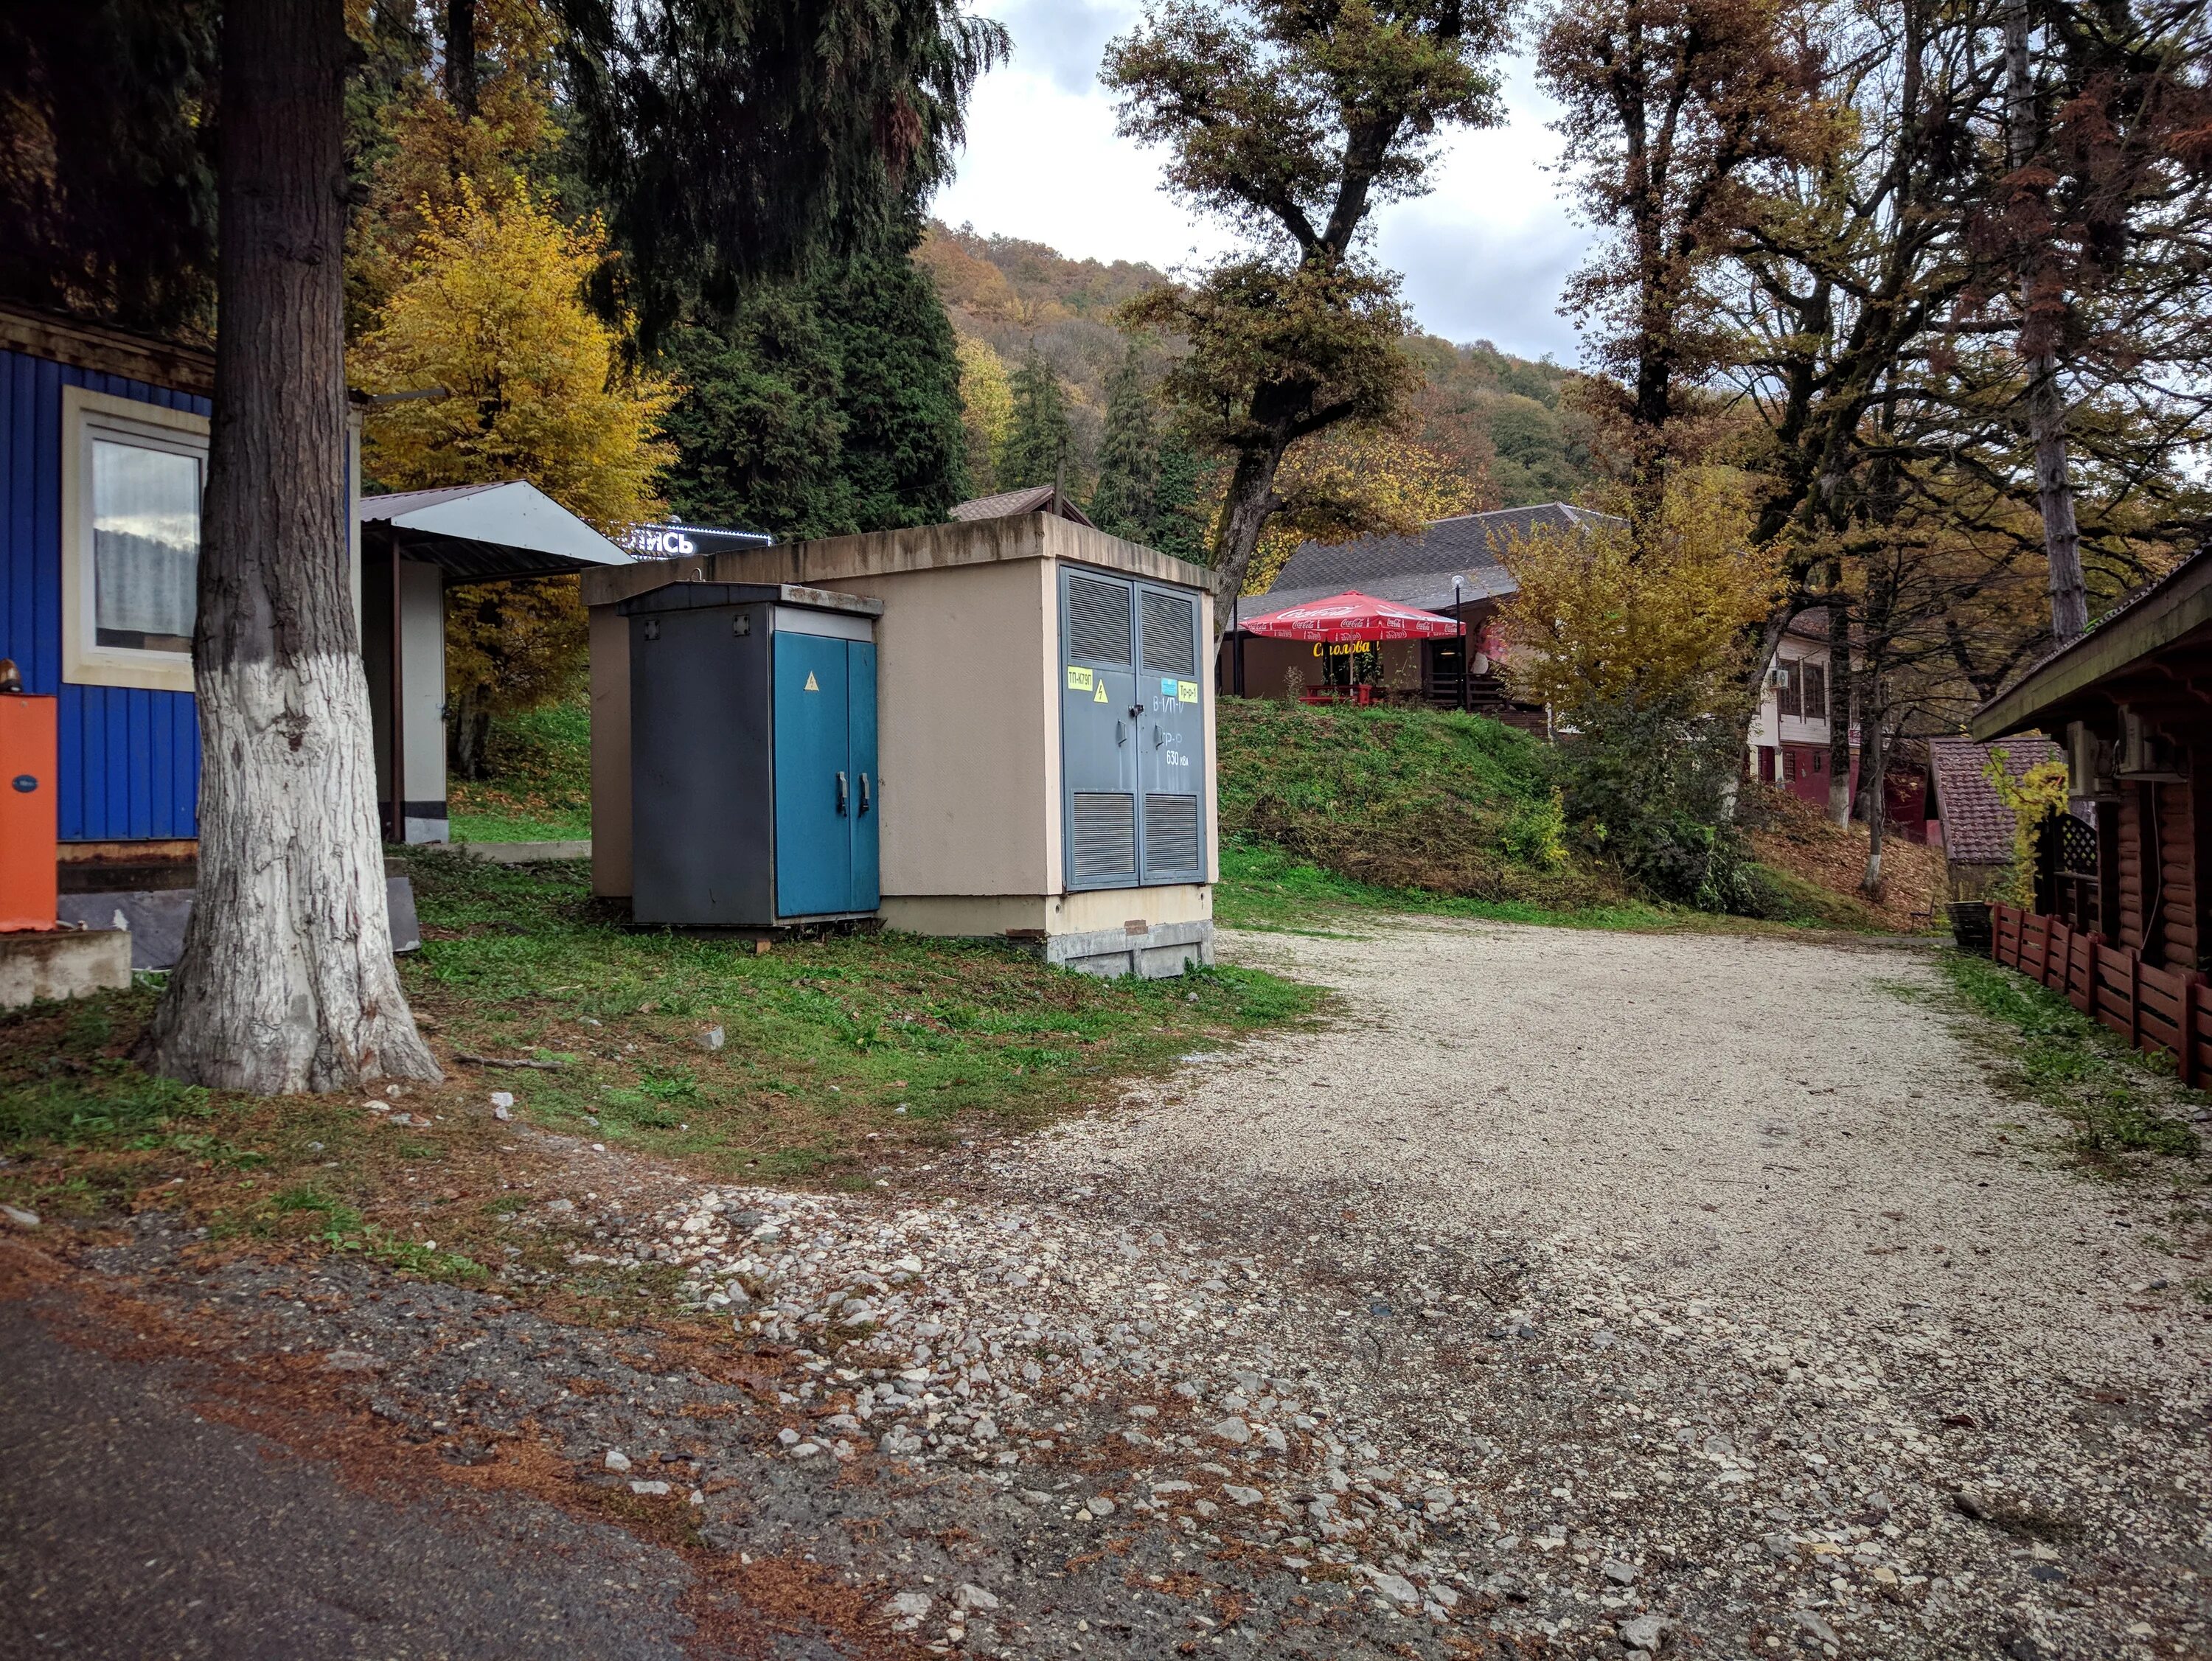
(1101, 698)
(810, 685)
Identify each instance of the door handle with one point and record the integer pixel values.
(1120, 732)
(1160, 736)
(864, 792)
(840, 793)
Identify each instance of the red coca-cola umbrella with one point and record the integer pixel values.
(1351, 615)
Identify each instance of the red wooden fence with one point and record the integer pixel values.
(2156, 1009)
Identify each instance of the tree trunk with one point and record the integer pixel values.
(1839, 706)
(461, 56)
(1251, 499)
(286, 981)
(1875, 763)
(2046, 409)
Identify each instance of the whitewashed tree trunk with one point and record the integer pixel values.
(286, 982)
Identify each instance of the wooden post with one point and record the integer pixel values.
(2096, 941)
(2187, 1058)
(2135, 1000)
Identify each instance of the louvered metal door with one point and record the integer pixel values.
(1171, 746)
(1099, 709)
(1133, 733)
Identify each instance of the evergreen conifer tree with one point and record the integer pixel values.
(905, 457)
(1040, 443)
(823, 406)
(1178, 513)
(1122, 502)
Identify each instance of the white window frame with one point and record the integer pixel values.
(86, 415)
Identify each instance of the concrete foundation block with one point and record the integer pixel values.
(55, 963)
(1159, 953)
(155, 917)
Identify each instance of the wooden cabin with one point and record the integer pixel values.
(2122, 922)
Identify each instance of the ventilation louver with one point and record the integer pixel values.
(1105, 834)
(1171, 834)
(1169, 647)
(1097, 622)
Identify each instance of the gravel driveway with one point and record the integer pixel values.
(1561, 1294)
(1718, 1272)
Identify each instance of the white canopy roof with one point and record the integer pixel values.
(481, 532)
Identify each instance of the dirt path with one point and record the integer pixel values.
(1562, 1295)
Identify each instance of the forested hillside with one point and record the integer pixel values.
(1499, 418)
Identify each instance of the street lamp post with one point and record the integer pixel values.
(1465, 664)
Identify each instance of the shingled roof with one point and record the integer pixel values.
(1033, 499)
(1977, 827)
(1418, 570)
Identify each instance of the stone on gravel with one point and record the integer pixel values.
(1644, 1634)
(968, 1596)
(908, 1610)
(1233, 1430)
(618, 1460)
(1814, 1624)
(1395, 1587)
(18, 1216)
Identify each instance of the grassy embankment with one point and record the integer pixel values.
(540, 787)
(842, 1061)
(1339, 810)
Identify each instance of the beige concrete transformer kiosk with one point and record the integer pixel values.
(1047, 734)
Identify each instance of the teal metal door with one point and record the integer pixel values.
(814, 785)
(861, 718)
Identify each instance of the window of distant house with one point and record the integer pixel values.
(1787, 692)
(133, 473)
(1789, 766)
(1815, 677)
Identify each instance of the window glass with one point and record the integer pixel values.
(145, 545)
(1816, 691)
(1786, 695)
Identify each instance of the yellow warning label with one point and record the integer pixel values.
(1186, 692)
(1101, 697)
(811, 684)
(1078, 679)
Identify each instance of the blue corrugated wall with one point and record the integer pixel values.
(130, 758)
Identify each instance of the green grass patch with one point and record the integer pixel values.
(2119, 1099)
(825, 1041)
(1265, 887)
(540, 784)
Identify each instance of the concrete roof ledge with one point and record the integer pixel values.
(827, 561)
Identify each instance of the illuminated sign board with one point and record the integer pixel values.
(669, 542)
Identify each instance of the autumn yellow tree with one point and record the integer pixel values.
(484, 123)
(1634, 633)
(986, 408)
(1357, 482)
(492, 310)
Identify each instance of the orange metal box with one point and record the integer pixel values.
(27, 815)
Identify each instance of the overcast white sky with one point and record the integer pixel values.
(1483, 255)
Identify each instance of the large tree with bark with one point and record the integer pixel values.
(727, 135)
(286, 981)
(1293, 121)
(1678, 115)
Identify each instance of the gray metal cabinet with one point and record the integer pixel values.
(1132, 732)
(753, 773)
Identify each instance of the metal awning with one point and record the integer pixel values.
(483, 532)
